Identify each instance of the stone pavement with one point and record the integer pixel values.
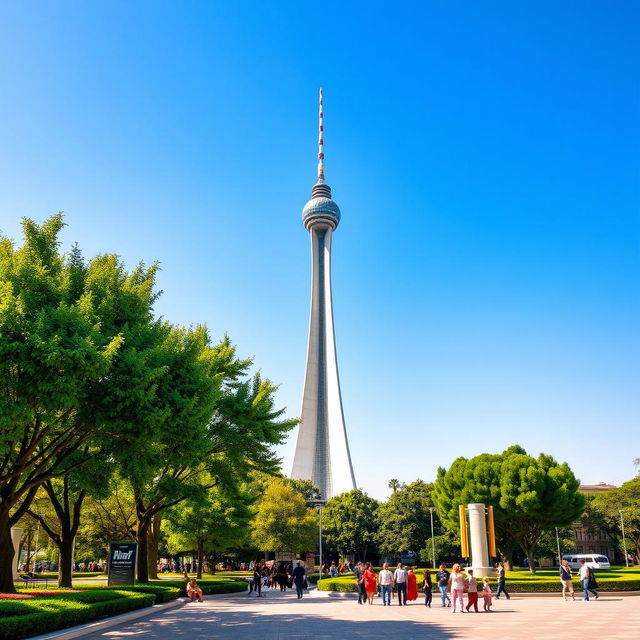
(283, 617)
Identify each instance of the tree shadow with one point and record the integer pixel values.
(198, 623)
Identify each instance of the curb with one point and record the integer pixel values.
(101, 625)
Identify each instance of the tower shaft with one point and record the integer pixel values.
(322, 452)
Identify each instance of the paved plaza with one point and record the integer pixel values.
(282, 617)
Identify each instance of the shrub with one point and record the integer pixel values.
(208, 586)
(40, 615)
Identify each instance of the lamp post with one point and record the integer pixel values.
(319, 504)
(624, 540)
(558, 543)
(35, 555)
(433, 542)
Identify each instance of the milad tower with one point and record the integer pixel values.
(322, 451)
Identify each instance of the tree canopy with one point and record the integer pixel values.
(529, 495)
(282, 520)
(349, 523)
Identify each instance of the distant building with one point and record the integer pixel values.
(594, 541)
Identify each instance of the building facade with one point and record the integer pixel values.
(595, 541)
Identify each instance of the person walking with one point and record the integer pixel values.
(299, 574)
(457, 588)
(472, 591)
(358, 572)
(566, 579)
(257, 579)
(412, 586)
(588, 580)
(400, 577)
(385, 580)
(501, 581)
(427, 586)
(370, 582)
(443, 580)
(486, 593)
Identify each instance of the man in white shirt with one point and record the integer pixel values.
(585, 579)
(400, 577)
(385, 580)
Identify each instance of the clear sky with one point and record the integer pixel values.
(485, 157)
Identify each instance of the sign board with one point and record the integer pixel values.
(122, 563)
(285, 556)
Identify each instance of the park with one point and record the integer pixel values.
(228, 410)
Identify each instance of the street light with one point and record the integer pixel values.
(433, 542)
(319, 504)
(624, 540)
(558, 543)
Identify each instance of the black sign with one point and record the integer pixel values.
(122, 562)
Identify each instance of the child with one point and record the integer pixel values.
(486, 594)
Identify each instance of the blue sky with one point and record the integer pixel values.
(485, 159)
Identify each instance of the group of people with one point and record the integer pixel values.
(281, 574)
(404, 583)
(587, 580)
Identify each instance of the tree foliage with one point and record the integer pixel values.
(604, 511)
(211, 524)
(349, 523)
(529, 495)
(404, 521)
(282, 520)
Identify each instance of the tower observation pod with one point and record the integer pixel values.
(322, 450)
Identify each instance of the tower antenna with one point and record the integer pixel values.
(320, 139)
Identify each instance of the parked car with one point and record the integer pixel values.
(592, 560)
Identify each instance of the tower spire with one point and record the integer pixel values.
(320, 139)
(321, 189)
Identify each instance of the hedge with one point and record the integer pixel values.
(208, 586)
(348, 585)
(20, 619)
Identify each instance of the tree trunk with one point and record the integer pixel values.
(142, 538)
(531, 559)
(65, 570)
(154, 543)
(200, 558)
(7, 555)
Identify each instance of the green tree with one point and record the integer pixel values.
(307, 488)
(394, 484)
(529, 495)
(547, 546)
(214, 523)
(603, 511)
(349, 523)
(445, 545)
(66, 495)
(53, 349)
(213, 423)
(404, 520)
(282, 520)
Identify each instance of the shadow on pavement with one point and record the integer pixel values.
(197, 623)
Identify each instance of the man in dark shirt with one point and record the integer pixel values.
(443, 579)
(298, 578)
(362, 594)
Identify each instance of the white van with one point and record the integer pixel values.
(592, 560)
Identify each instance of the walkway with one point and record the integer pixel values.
(283, 617)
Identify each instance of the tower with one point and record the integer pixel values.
(322, 451)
